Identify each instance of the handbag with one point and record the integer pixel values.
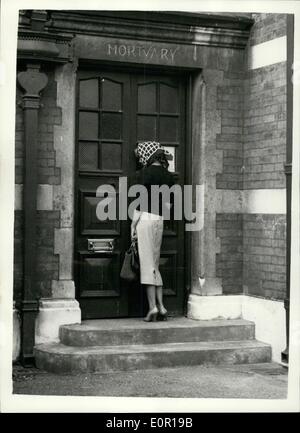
(135, 263)
(130, 268)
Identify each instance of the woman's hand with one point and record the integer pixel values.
(133, 232)
(135, 220)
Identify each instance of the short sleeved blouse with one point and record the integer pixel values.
(154, 175)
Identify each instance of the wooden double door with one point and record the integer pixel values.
(115, 110)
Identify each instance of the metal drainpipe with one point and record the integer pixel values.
(33, 82)
(288, 173)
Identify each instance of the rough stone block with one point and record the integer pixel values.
(63, 245)
(63, 289)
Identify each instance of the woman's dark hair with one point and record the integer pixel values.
(159, 156)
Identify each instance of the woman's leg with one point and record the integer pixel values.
(151, 296)
(159, 298)
(152, 313)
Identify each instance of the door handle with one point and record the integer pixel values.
(101, 245)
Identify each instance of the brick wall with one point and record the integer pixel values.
(267, 27)
(19, 139)
(230, 103)
(253, 246)
(229, 262)
(253, 256)
(264, 255)
(47, 262)
(264, 239)
(265, 127)
(251, 107)
(264, 242)
(49, 116)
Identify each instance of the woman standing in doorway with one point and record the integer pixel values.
(147, 224)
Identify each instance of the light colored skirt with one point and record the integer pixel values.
(149, 231)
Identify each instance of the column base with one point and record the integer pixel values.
(214, 307)
(52, 314)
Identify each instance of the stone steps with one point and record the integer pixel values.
(135, 331)
(59, 358)
(131, 344)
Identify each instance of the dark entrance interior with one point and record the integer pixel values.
(115, 110)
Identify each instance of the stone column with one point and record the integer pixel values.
(213, 166)
(206, 163)
(62, 308)
(198, 179)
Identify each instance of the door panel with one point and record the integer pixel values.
(114, 112)
(163, 119)
(102, 157)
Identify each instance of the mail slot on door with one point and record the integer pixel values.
(101, 245)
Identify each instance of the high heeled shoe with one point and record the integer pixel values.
(151, 316)
(162, 315)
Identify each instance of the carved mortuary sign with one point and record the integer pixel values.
(142, 52)
(136, 51)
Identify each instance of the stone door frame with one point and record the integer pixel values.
(169, 46)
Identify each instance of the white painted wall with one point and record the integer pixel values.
(264, 201)
(268, 316)
(267, 53)
(269, 319)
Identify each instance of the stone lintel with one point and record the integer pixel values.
(161, 27)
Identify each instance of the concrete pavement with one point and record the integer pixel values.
(255, 381)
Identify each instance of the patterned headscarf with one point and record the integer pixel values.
(146, 149)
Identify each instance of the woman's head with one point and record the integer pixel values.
(160, 157)
(149, 152)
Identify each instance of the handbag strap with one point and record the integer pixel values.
(134, 246)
